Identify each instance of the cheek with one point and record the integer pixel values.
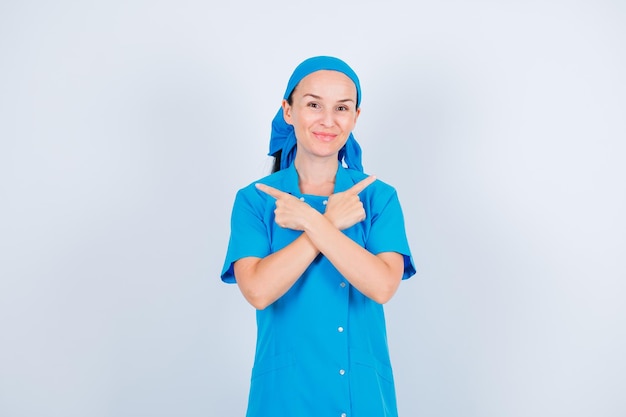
(303, 117)
(348, 121)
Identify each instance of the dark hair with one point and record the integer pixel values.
(290, 98)
(276, 166)
(278, 153)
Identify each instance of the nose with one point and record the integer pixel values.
(327, 119)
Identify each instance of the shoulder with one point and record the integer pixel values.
(277, 179)
(378, 187)
(273, 180)
(251, 194)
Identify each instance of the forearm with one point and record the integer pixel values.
(263, 281)
(377, 277)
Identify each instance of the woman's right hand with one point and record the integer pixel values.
(345, 209)
(290, 212)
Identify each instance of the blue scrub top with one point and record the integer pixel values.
(322, 347)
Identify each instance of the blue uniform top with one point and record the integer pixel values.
(322, 347)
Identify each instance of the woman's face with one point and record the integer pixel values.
(323, 113)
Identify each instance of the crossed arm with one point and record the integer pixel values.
(263, 280)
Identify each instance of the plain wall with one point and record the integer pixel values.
(126, 128)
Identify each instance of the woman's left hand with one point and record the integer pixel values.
(345, 209)
(290, 212)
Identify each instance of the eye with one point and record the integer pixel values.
(313, 105)
(342, 108)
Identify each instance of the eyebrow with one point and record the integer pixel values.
(345, 100)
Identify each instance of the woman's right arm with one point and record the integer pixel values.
(264, 280)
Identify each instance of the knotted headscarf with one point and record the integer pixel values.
(283, 137)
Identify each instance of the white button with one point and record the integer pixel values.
(342, 372)
(342, 285)
(301, 198)
(344, 415)
(325, 202)
(340, 329)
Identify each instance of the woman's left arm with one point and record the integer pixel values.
(376, 276)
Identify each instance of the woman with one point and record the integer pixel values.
(317, 248)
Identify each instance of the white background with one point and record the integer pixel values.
(126, 127)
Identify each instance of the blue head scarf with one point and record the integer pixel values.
(283, 137)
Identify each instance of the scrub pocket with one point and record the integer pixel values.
(372, 386)
(271, 364)
(269, 386)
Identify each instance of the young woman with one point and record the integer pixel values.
(317, 247)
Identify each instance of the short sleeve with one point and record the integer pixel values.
(248, 232)
(387, 232)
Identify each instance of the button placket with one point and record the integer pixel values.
(341, 319)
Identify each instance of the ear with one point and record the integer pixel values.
(287, 112)
(356, 116)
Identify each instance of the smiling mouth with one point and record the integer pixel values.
(325, 137)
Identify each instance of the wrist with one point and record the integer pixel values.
(329, 218)
(315, 221)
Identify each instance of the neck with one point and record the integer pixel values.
(316, 176)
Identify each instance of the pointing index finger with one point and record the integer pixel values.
(274, 192)
(362, 185)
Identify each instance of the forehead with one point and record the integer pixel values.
(331, 82)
